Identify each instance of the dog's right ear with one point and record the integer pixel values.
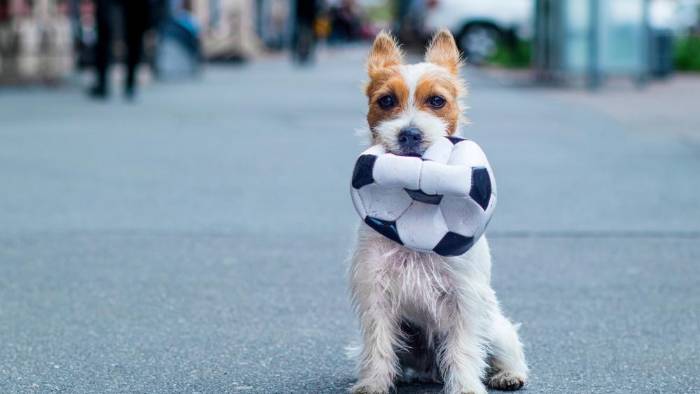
(443, 51)
(385, 53)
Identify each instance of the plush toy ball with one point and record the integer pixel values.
(440, 202)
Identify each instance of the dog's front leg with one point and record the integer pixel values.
(462, 353)
(378, 363)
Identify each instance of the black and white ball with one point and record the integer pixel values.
(440, 202)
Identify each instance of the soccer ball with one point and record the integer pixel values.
(440, 202)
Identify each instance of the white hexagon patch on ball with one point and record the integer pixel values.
(440, 202)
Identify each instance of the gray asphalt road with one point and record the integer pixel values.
(195, 242)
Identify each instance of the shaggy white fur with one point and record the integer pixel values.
(452, 311)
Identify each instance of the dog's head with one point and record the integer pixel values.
(411, 105)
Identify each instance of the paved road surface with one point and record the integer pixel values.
(195, 242)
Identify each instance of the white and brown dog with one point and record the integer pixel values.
(425, 317)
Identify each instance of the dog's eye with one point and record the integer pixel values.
(386, 102)
(437, 101)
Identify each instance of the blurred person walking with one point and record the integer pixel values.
(137, 18)
(346, 22)
(304, 38)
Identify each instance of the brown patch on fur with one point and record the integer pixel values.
(383, 64)
(449, 89)
(443, 52)
(383, 69)
(385, 53)
(388, 81)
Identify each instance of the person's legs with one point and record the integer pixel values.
(303, 42)
(135, 14)
(103, 19)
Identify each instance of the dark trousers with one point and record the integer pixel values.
(134, 17)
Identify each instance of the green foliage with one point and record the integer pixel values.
(517, 55)
(687, 53)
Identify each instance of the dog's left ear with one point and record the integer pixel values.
(443, 51)
(385, 53)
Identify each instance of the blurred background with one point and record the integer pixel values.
(174, 188)
(50, 40)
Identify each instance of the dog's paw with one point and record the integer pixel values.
(468, 391)
(475, 388)
(507, 381)
(368, 388)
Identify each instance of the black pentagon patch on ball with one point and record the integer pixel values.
(453, 244)
(362, 175)
(421, 196)
(384, 227)
(481, 187)
(455, 140)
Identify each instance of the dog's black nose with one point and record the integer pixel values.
(410, 139)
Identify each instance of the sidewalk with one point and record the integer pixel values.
(667, 105)
(196, 241)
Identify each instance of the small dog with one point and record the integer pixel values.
(425, 317)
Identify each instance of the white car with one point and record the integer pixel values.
(479, 25)
(676, 15)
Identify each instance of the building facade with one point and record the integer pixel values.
(35, 41)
